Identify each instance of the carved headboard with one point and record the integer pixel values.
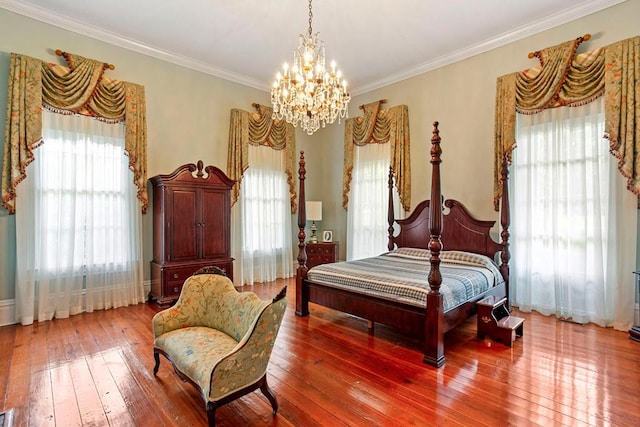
(460, 230)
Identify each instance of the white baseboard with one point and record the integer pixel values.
(8, 307)
(7, 312)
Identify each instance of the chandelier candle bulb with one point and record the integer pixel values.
(307, 94)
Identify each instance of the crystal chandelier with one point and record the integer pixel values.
(307, 93)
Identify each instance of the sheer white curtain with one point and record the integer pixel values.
(574, 222)
(262, 220)
(367, 225)
(78, 223)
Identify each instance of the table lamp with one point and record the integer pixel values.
(314, 213)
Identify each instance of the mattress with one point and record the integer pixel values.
(401, 275)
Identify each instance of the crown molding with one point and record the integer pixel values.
(530, 29)
(103, 35)
(535, 27)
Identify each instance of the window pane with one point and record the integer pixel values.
(85, 187)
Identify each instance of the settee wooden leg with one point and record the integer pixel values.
(156, 356)
(264, 388)
(211, 413)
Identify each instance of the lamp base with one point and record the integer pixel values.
(313, 238)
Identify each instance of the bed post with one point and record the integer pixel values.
(302, 293)
(434, 320)
(390, 217)
(505, 220)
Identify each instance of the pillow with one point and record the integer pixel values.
(414, 253)
(468, 258)
(452, 257)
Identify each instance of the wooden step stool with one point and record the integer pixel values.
(495, 321)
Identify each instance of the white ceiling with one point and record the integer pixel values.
(374, 42)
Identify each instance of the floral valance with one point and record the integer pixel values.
(567, 79)
(259, 129)
(379, 126)
(79, 89)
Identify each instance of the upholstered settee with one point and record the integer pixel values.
(218, 339)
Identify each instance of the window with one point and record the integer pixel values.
(566, 197)
(84, 191)
(264, 222)
(78, 222)
(367, 224)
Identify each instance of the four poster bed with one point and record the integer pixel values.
(422, 293)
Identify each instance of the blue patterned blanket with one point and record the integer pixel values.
(401, 275)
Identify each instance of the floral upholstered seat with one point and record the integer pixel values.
(219, 339)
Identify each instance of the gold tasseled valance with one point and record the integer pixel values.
(567, 79)
(259, 129)
(379, 126)
(79, 89)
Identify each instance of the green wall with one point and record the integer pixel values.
(187, 111)
(188, 114)
(461, 97)
(7, 222)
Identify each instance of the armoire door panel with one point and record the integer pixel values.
(216, 224)
(183, 225)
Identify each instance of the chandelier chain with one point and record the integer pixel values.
(310, 18)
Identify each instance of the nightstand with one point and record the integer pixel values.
(321, 253)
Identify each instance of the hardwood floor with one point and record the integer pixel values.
(96, 369)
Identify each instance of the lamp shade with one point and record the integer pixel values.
(314, 211)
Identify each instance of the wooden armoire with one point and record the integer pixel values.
(191, 227)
